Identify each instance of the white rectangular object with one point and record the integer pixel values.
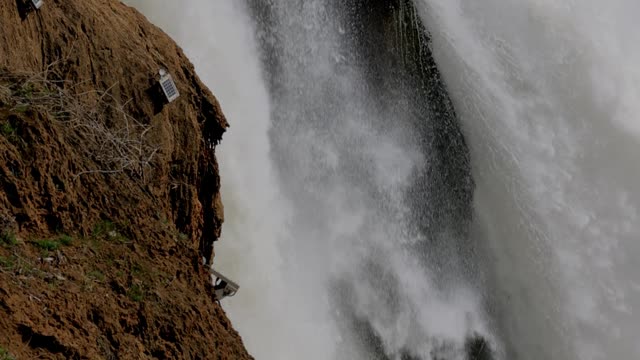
(37, 3)
(168, 87)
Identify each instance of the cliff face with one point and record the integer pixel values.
(110, 197)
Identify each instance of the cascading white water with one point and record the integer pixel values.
(321, 236)
(347, 159)
(548, 93)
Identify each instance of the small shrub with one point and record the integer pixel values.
(48, 245)
(106, 229)
(65, 240)
(96, 275)
(21, 108)
(24, 267)
(8, 238)
(7, 129)
(136, 293)
(25, 91)
(5, 355)
(103, 228)
(6, 263)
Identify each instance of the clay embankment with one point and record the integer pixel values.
(101, 240)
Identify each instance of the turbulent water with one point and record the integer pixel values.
(352, 223)
(548, 94)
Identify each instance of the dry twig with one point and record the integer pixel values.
(95, 121)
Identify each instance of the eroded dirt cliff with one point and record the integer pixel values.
(110, 196)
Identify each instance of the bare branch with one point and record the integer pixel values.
(94, 120)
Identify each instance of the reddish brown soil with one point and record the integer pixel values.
(126, 280)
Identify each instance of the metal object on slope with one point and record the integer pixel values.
(223, 286)
(168, 85)
(37, 3)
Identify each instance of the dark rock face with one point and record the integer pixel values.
(394, 46)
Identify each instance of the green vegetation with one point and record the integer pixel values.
(96, 275)
(136, 293)
(9, 132)
(21, 108)
(48, 245)
(65, 240)
(6, 263)
(53, 244)
(109, 230)
(5, 355)
(8, 238)
(103, 228)
(7, 129)
(25, 91)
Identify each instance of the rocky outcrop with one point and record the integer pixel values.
(102, 240)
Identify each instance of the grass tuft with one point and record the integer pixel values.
(136, 293)
(8, 238)
(103, 228)
(96, 275)
(5, 355)
(6, 263)
(65, 240)
(48, 245)
(7, 129)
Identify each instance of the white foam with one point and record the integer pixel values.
(548, 95)
(290, 236)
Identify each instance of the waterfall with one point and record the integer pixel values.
(351, 220)
(326, 180)
(547, 93)
(353, 148)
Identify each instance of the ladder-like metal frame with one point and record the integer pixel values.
(229, 290)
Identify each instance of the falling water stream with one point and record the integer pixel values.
(436, 179)
(547, 94)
